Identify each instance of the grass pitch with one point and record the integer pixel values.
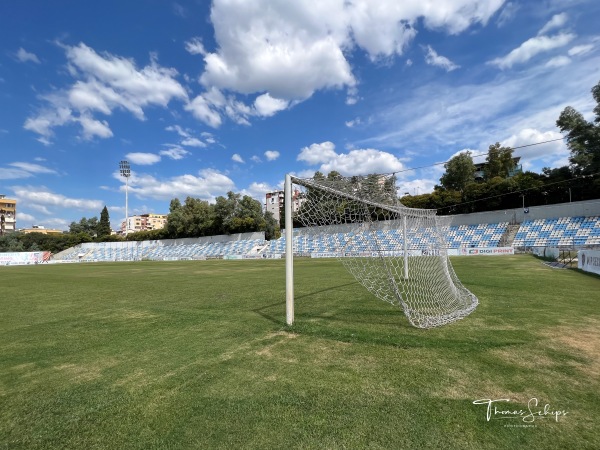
(197, 355)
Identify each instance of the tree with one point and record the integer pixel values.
(175, 221)
(248, 216)
(583, 137)
(225, 209)
(104, 224)
(459, 172)
(237, 214)
(198, 217)
(87, 226)
(499, 161)
(272, 230)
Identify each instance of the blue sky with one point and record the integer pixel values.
(206, 97)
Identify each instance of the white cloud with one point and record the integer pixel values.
(558, 61)
(193, 142)
(207, 186)
(23, 170)
(237, 158)
(143, 159)
(195, 46)
(255, 159)
(201, 109)
(439, 116)
(433, 59)
(550, 154)
(92, 127)
(258, 191)
(189, 140)
(180, 131)
(24, 217)
(352, 95)
(318, 153)
(271, 155)
(557, 21)
(30, 196)
(174, 152)
(104, 82)
(33, 168)
(13, 173)
(387, 27)
(355, 162)
(363, 161)
(507, 14)
(352, 123)
(531, 48)
(56, 223)
(210, 106)
(266, 105)
(179, 10)
(291, 50)
(208, 137)
(580, 49)
(417, 186)
(271, 47)
(133, 88)
(46, 120)
(40, 208)
(25, 56)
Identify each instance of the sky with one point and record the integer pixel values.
(205, 97)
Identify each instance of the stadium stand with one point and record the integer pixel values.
(480, 235)
(155, 250)
(576, 231)
(562, 231)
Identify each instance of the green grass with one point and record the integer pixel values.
(197, 355)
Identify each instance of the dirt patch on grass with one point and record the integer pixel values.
(273, 339)
(138, 378)
(130, 314)
(465, 384)
(529, 358)
(279, 338)
(582, 341)
(124, 314)
(85, 372)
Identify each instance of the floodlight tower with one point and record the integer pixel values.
(125, 170)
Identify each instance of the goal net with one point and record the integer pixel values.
(399, 254)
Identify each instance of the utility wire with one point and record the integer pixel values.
(521, 190)
(476, 155)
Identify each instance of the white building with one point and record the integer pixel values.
(275, 201)
(144, 222)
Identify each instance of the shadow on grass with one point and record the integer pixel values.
(388, 327)
(409, 337)
(277, 320)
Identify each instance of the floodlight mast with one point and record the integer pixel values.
(125, 170)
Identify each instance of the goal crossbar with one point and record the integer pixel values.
(392, 208)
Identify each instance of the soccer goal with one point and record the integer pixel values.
(397, 253)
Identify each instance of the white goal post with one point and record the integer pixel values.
(397, 253)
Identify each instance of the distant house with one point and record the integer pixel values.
(480, 169)
(40, 229)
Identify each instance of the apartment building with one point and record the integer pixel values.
(145, 222)
(8, 214)
(275, 200)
